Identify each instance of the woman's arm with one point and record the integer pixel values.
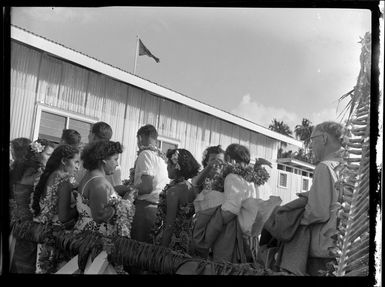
(65, 212)
(100, 210)
(172, 207)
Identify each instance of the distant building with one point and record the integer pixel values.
(54, 87)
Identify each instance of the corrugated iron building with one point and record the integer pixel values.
(54, 87)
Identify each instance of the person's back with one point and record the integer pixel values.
(237, 192)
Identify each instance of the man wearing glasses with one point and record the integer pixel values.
(321, 208)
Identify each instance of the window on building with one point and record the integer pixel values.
(305, 184)
(280, 167)
(304, 173)
(282, 179)
(165, 144)
(289, 169)
(50, 123)
(310, 174)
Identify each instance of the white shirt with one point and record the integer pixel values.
(149, 163)
(236, 192)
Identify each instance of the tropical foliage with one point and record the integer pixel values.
(280, 127)
(352, 238)
(123, 251)
(303, 132)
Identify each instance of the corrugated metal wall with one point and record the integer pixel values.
(37, 77)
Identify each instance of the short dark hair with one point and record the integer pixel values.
(334, 129)
(148, 131)
(29, 160)
(20, 147)
(189, 167)
(95, 152)
(239, 153)
(102, 130)
(71, 137)
(211, 150)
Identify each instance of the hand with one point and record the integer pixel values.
(216, 163)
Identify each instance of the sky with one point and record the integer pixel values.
(256, 63)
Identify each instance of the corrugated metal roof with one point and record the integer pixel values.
(57, 49)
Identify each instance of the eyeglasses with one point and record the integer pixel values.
(313, 137)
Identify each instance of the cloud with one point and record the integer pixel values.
(262, 115)
(58, 14)
(328, 114)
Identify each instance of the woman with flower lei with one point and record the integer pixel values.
(52, 202)
(101, 209)
(30, 159)
(173, 225)
(237, 213)
(208, 196)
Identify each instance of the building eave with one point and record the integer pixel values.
(71, 55)
(296, 163)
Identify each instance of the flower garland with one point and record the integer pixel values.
(124, 214)
(255, 174)
(37, 147)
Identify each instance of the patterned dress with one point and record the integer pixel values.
(125, 211)
(182, 229)
(48, 257)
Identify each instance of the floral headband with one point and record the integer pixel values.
(174, 159)
(37, 147)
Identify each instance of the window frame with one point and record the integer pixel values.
(168, 140)
(68, 115)
(308, 183)
(279, 179)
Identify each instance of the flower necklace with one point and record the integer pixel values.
(255, 174)
(124, 214)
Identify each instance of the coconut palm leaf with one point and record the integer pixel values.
(352, 245)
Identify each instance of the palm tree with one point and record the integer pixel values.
(352, 240)
(280, 127)
(303, 132)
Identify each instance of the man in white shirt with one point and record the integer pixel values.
(150, 179)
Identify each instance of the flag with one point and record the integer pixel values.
(144, 51)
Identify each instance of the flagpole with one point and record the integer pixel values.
(136, 52)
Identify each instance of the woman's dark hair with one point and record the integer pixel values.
(102, 130)
(189, 167)
(71, 137)
(95, 152)
(239, 153)
(20, 148)
(29, 161)
(45, 143)
(64, 151)
(148, 131)
(211, 150)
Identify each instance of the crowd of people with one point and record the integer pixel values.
(212, 212)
